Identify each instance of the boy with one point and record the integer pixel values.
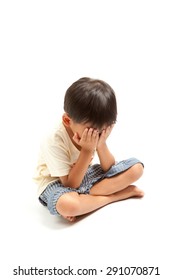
(68, 184)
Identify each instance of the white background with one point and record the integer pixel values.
(45, 46)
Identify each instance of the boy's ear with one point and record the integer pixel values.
(66, 119)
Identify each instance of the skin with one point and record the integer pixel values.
(88, 140)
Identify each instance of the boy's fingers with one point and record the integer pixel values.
(84, 135)
(90, 132)
(95, 133)
(103, 132)
(95, 136)
(109, 129)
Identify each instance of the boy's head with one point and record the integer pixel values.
(91, 101)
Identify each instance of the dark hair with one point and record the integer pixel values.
(91, 100)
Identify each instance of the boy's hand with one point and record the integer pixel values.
(104, 135)
(89, 139)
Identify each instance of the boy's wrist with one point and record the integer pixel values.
(101, 146)
(86, 152)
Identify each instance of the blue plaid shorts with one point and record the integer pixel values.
(94, 174)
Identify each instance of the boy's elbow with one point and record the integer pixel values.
(106, 167)
(73, 185)
(70, 182)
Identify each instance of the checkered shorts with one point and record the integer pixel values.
(94, 174)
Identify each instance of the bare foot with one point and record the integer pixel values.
(130, 191)
(135, 191)
(69, 218)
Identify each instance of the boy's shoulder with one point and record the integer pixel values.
(57, 134)
(58, 138)
(59, 142)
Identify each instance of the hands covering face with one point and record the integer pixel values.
(91, 139)
(104, 135)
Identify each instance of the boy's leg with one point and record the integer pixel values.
(74, 204)
(106, 191)
(119, 182)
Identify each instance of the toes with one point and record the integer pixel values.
(141, 193)
(138, 192)
(69, 218)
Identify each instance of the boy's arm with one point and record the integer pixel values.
(105, 156)
(88, 143)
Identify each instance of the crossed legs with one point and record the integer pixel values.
(106, 191)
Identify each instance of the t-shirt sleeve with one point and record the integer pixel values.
(57, 158)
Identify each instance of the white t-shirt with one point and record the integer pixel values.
(56, 158)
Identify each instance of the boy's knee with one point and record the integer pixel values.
(137, 171)
(68, 204)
